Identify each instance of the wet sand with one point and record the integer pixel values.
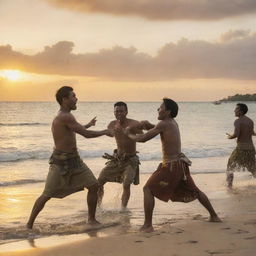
(180, 229)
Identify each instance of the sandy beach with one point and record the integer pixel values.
(180, 229)
(140, 78)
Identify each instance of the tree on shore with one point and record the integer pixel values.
(240, 97)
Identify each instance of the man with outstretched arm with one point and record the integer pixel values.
(171, 180)
(243, 156)
(68, 173)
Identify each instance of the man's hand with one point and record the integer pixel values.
(91, 123)
(110, 132)
(146, 125)
(229, 136)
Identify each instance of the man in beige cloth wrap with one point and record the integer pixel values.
(171, 180)
(123, 165)
(67, 173)
(243, 155)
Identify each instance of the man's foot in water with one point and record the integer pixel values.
(215, 219)
(147, 228)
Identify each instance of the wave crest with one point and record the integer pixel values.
(23, 124)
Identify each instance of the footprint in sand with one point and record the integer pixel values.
(219, 252)
(192, 242)
(198, 217)
(250, 238)
(226, 228)
(240, 231)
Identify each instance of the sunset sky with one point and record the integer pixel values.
(131, 50)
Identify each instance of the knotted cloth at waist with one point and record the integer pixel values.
(68, 160)
(178, 157)
(172, 162)
(119, 157)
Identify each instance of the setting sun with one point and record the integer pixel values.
(12, 75)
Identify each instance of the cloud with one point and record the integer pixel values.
(234, 34)
(162, 9)
(185, 59)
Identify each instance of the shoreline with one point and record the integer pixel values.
(179, 228)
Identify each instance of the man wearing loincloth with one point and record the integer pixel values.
(243, 155)
(68, 173)
(171, 180)
(123, 165)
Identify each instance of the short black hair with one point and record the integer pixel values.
(63, 92)
(121, 103)
(243, 107)
(172, 106)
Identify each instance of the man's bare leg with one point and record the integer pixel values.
(38, 207)
(203, 199)
(230, 178)
(125, 196)
(149, 204)
(100, 192)
(92, 198)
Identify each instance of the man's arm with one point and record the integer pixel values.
(236, 131)
(74, 126)
(148, 135)
(138, 126)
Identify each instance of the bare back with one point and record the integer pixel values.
(244, 129)
(123, 142)
(64, 138)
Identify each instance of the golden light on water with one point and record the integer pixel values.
(12, 75)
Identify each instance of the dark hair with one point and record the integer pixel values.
(121, 103)
(172, 106)
(243, 107)
(63, 92)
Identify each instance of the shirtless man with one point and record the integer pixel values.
(67, 173)
(123, 165)
(172, 178)
(244, 153)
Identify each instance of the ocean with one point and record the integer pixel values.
(26, 145)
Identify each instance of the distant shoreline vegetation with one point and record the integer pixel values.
(240, 97)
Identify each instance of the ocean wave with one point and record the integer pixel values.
(19, 182)
(23, 124)
(12, 155)
(15, 156)
(207, 152)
